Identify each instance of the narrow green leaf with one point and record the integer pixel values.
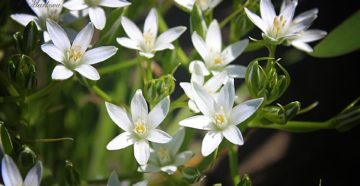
(6, 139)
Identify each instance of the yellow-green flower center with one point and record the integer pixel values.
(164, 155)
(149, 41)
(218, 60)
(139, 127)
(74, 55)
(278, 25)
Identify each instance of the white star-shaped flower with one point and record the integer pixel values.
(96, 13)
(284, 27)
(216, 59)
(165, 157)
(140, 127)
(12, 177)
(203, 4)
(219, 117)
(74, 57)
(147, 41)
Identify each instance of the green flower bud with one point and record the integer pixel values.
(245, 181)
(28, 41)
(191, 175)
(27, 157)
(22, 71)
(280, 114)
(72, 175)
(157, 89)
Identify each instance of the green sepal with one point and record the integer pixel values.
(6, 141)
(71, 174)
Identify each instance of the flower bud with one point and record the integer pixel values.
(157, 89)
(71, 174)
(191, 175)
(28, 41)
(281, 114)
(27, 157)
(22, 71)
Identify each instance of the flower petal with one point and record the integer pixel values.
(169, 169)
(235, 71)
(84, 37)
(60, 72)
(158, 136)
(210, 142)
(53, 52)
(139, 108)
(233, 134)
(169, 36)
(311, 35)
(147, 54)
(113, 179)
(158, 113)
(183, 157)
(187, 89)
(131, 29)
(25, 19)
(213, 37)
(121, 141)
(114, 3)
(233, 51)
(149, 168)
(58, 36)
(37, 7)
(267, 12)
(119, 116)
(98, 17)
(151, 23)
(75, 5)
(88, 72)
(288, 11)
(214, 83)
(99, 54)
(128, 43)
(141, 152)
(200, 45)
(197, 122)
(188, 4)
(174, 145)
(244, 110)
(226, 97)
(203, 100)
(10, 173)
(33, 178)
(302, 46)
(193, 107)
(256, 20)
(199, 67)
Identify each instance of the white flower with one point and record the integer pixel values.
(147, 41)
(219, 117)
(75, 57)
(114, 181)
(284, 27)
(12, 177)
(165, 157)
(216, 59)
(140, 127)
(203, 4)
(198, 73)
(96, 13)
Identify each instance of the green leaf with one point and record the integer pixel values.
(197, 22)
(6, 139)
(342, 40)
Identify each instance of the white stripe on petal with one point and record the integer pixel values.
(128, 43)
(142, 152)
(197, 122)
(88, 72)
(33, 178)
(158, 136)
(139, 108)
(98, 17)
(25, 19)
(119, 116)
(121, 141)
(210, 142)
(60, 72)
(83, 38)
(213, 37)
(53, 52)
(233, 134)
(244, 110)
(235, 71)
(158, 113)
(75, 5)
(10, 173)
(256, 20)
(114, 3)
(233, 51)
(58, 35)
(99, 54)
(200, 45)
(151, 23)
(131, 29)
(170, 35)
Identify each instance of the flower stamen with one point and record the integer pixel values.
(140, 127)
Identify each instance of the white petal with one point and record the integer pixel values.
(75, 5)
(187, 89)
(33, 178)
(306, 17)
(84, 37)
(311, 35)
(53, 52)
(233, 134)
(114, 3)
(193, 107)
(10, 173)
(25, 19)
(203, 100)
(98, 17)
(158, 136)
(131, 29)
(88, 72)
(119, 116)
(99, 54)
(210, 142)
(60, 72)
(149, 168)
(198, 67)
(128, 43)
(46, 37)
(170, 169)
(174, 145)
(169, 36)
(121, 141)
(58, 36)
(158, 113)
(151, 23)
(288, 11)
(188, 4)
(164, 46)
(256, 20)
(139, 108)
(113, 179)
(267, 12)
(37, 7)
(244, 110)
(147, 54)
(214, 83)
(302, 46)
(214, 3)
(54, 10)
(200, 45)
(233, 51)
(142, 152)
(197, 122)
(226, 96)
(236, 71)
(213, 37)
(141, 183)
(183, 157)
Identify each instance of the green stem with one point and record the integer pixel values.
(272, 50)
(10, 88)
(294, 126)
(98, 91)
(42, 92)
(48, 140)
(231, 17)
(233, 164)
(119, 66)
